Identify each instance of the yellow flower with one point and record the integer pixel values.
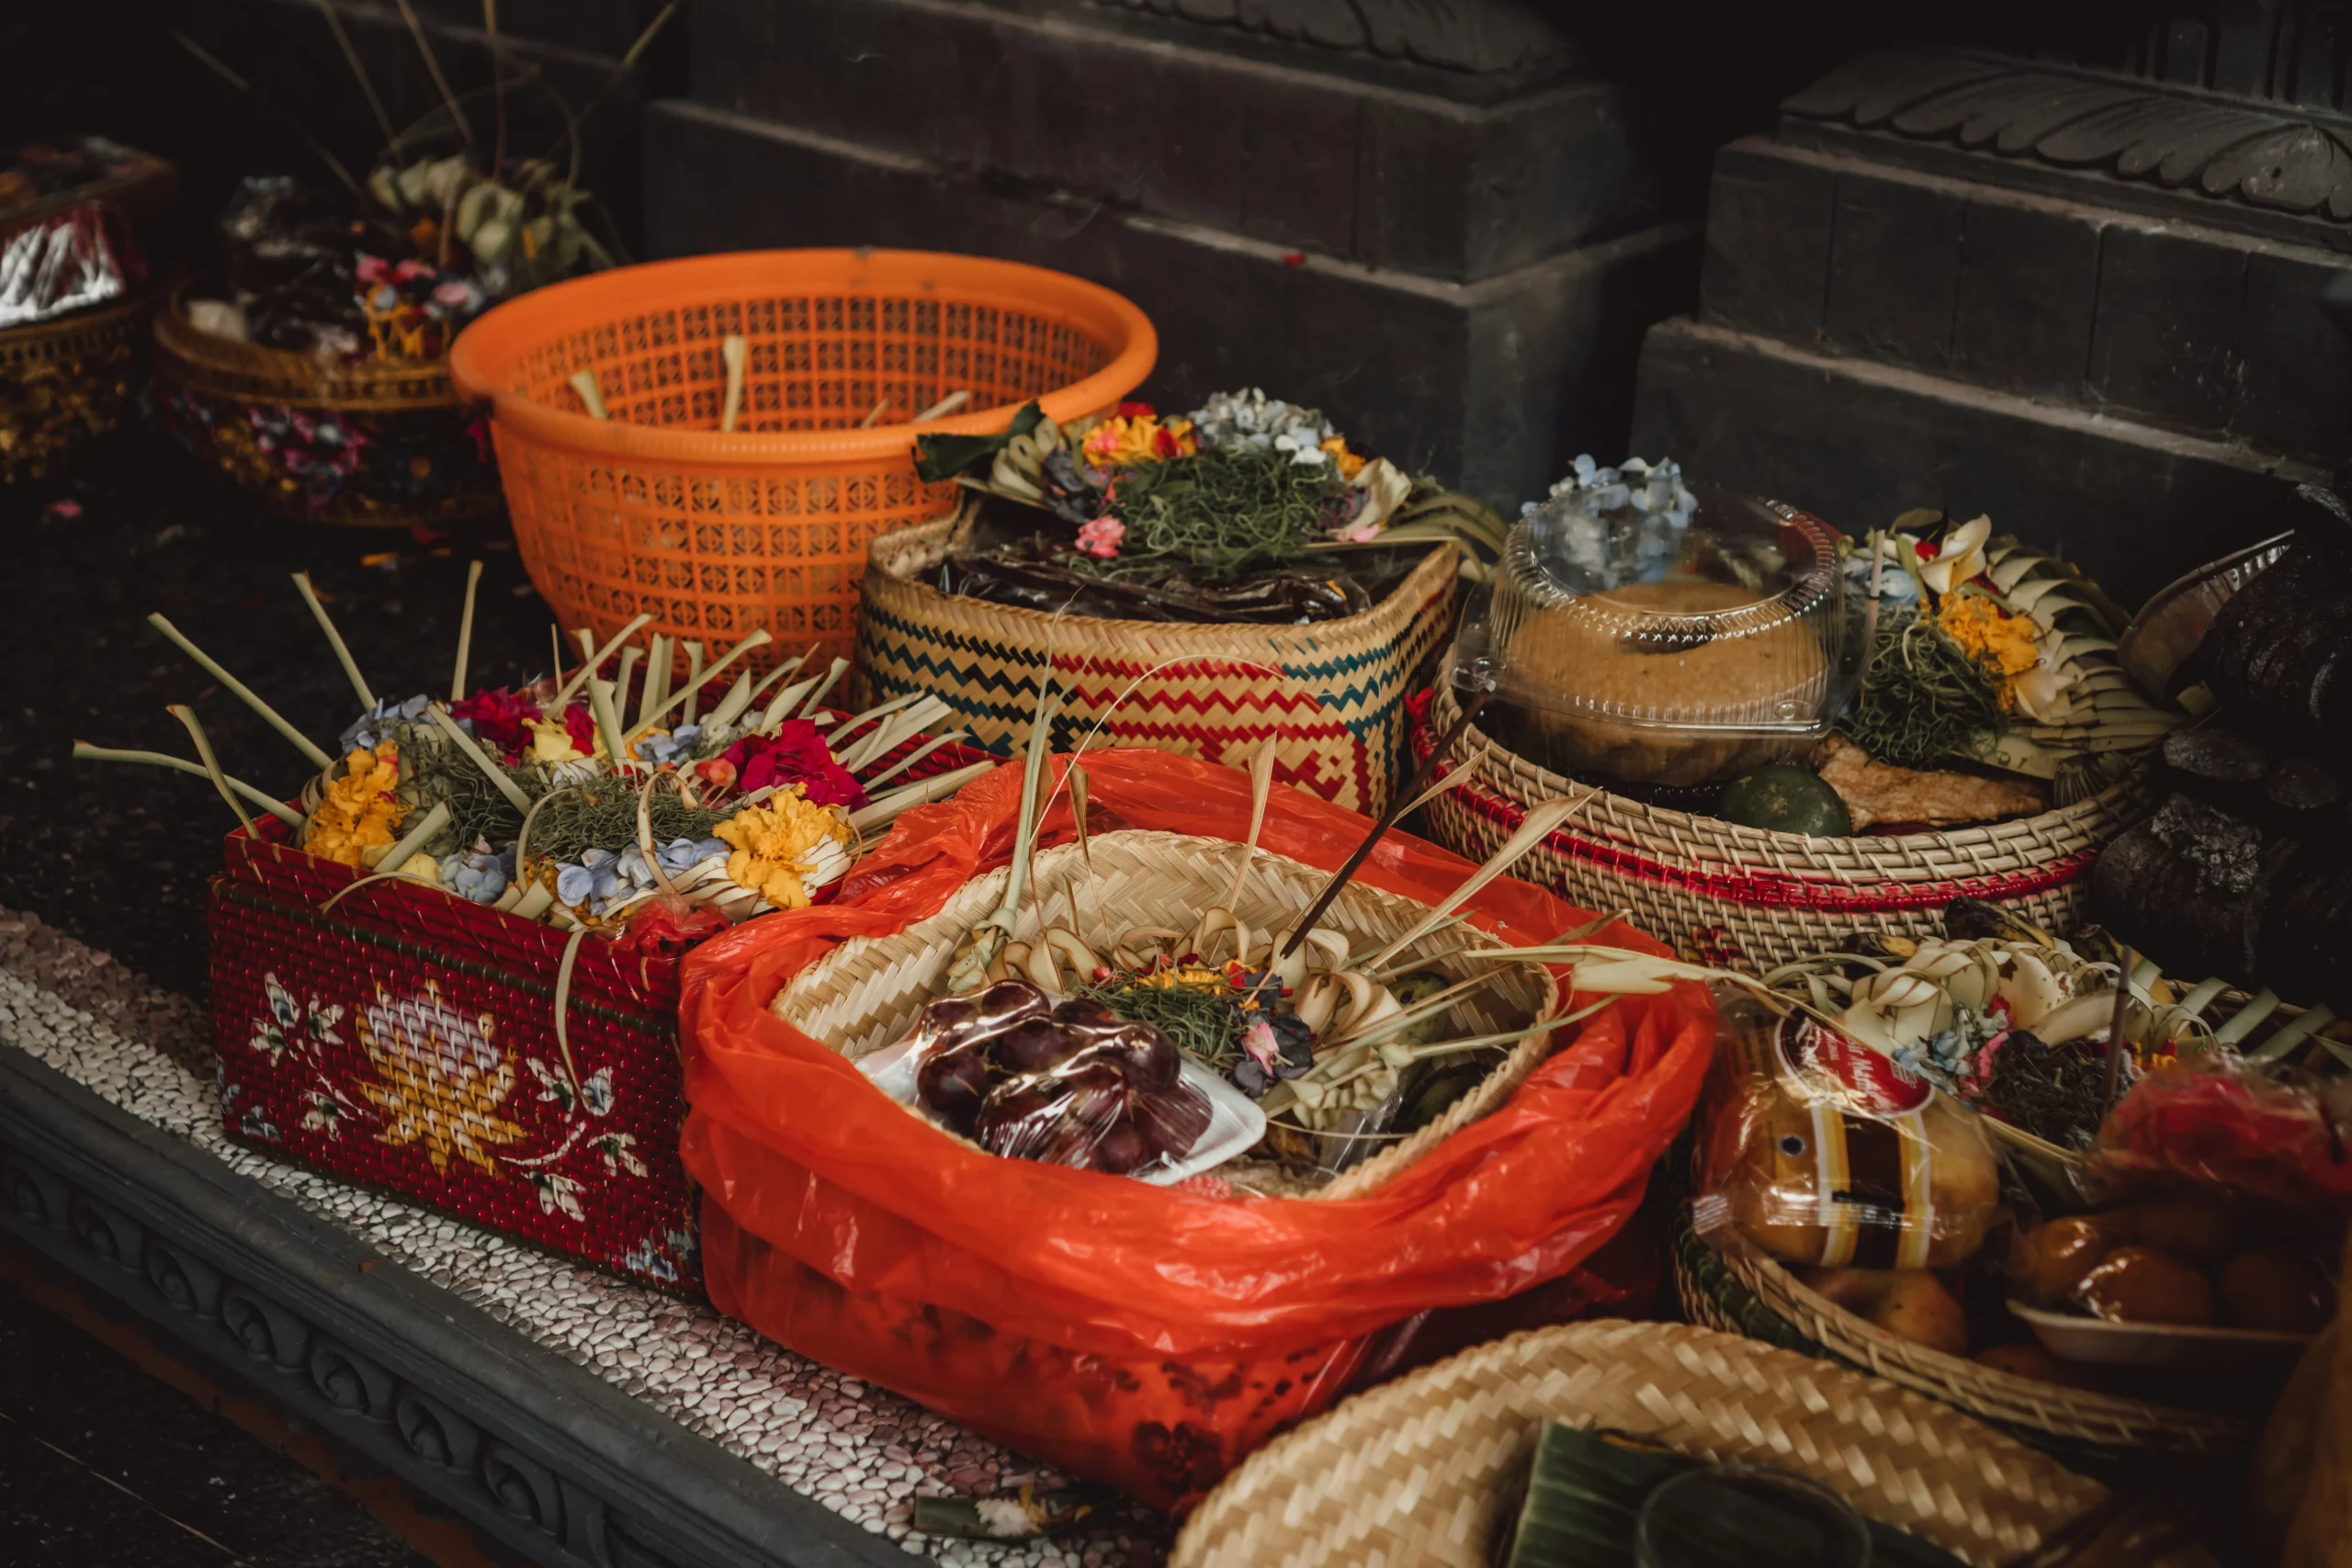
(550, 742)
(1120, 442)
(1351, 465)
(360, 809)
(781, 843)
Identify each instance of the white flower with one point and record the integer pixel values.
(1959, 558)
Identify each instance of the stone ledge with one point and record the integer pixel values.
(1859, 442)
(1493, 385)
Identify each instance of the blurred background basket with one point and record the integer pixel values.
(64, 381)
(655, 511)
(1422, 1472)
(370, 444)
(1751, 899)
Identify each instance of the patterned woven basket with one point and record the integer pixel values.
(2096, 1433)
(64, 381)
(865, 994)
(406, 1039)
(381, 446)
(1332, 692)
(1419, 1472)
(1745, 899)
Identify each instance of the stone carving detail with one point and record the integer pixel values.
(2259, 154)
(459, 1453)
(1454, 35)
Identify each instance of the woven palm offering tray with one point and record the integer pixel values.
(1540, 1449)
(1778, 733)
(1197, 584)
(1898, 1168)
(449, 966)
(1345, 1029)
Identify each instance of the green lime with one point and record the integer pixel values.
(1786, 800)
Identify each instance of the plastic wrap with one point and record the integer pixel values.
(1144, 1335)
(1822, 1152)
(2227, 1122)
(65, 262)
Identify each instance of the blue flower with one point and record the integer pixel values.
(478, 874)
(380, 722)
(575, 884)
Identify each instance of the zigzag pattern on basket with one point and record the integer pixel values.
(1751, 899)
(1417, 1472)
(1331, 694)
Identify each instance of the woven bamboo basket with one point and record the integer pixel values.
(865, 994)
(1331, 694)
(1747, 899)
(62, 382)
(1751, 1294)
(1420, 1472)
(368, 444)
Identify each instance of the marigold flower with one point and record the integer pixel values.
(783, 843)
(360, 809)
(1121, 442)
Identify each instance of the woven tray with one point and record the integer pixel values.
(368, 444)
(865, 994)
(64, 381)
(1333, 692)
(2094, 1432)
(405, 1039)
(1745, 899)
(1419, 1471)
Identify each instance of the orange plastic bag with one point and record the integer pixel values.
(1144, 1336)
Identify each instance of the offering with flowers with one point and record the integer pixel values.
(1249, 509)
(615, 798)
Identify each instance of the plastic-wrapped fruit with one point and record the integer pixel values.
(1150, 1059)
(2271, 1287)
(952, 1085)
(1085, 1012)
(1011, 1120)
(1916, 1307)
(2195, 1229)
(1034, 1045)
(1120, 1149)
(2050, 1261)
(1173, 1119)
(2139, 1285)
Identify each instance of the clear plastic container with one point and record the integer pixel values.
(1634, 646)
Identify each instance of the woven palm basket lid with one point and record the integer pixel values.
(1752, 899)
(865, 994)
(1330, 693)
(1422, 1472)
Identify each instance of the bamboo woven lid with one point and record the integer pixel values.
(1419, 1472)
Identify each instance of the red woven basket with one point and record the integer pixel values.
(405, 1040)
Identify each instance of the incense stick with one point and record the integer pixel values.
(465, 634)
(335, 640)
(1354, 862)
(302, 743)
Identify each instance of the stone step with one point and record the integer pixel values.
(2207, 331)
(1492, 385)
(1860, 442)
(1444, 174)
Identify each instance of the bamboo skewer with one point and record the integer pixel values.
(84, 752)
(302, 743)
(734, 350)
(694, 679)
(465, 634)
(335, 640)
(187, 715)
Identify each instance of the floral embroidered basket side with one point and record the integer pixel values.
(407, 1040)
(370, 444)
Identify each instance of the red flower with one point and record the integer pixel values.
(497, 718)
(1138, 410)
(580, 725)
(798, 754)
(718, 772)
(1164, 445)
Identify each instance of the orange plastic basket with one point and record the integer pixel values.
(654, 510)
